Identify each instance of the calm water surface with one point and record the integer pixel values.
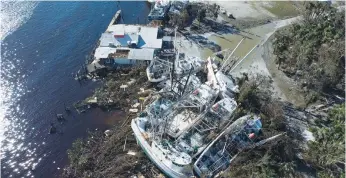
(42, 45)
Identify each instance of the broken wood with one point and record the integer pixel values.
(125, 143)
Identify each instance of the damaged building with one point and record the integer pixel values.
(125, 45)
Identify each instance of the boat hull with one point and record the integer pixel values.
(147, 150)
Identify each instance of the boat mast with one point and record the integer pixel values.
(187, 80)
(225, 62)
(244, 57)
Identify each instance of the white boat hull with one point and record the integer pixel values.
(148, 151)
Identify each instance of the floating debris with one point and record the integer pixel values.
(60, 117)
(52, 129)
(131, 153)
(107, 133)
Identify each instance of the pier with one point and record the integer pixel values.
(115, 19)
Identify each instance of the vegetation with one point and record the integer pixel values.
(283, 9)
(201, 15)
(274, 159)
(185, 16)
(256, 97)
(327, 153)
(312, 52)
(323, 157)
(214, 10)
(192, 11)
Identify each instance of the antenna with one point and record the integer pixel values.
(172, 73)
(187, 80)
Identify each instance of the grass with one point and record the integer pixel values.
(282, 9)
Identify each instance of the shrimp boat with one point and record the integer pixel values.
(156, 131)
(222, 150)
(159, 10)
(190, 131)
(174, 64)
(175, 156)
(244, 133)
(173, 135)
(160, 69)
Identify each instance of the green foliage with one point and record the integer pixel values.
(214, 9)
(256, 96)
(313, 50)
(267, 161)
(328, 149)
(201, 14)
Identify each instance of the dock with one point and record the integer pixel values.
(115, 18)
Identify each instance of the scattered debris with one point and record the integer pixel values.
(131, 153)
(60, 117)
(133, 110)
(107, 133)
(52, 129)
(123, 87)
(136, 105)
(92, 100)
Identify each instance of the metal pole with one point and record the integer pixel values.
(182, 93)
(231, 54)
(243, 58)
(175, 37)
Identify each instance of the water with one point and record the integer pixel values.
(42, 45)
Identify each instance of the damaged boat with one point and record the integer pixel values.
(224, 149)
(244, 133)
(174, 133)
(161, 69)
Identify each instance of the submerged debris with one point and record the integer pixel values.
(60, 117)
(52, 129)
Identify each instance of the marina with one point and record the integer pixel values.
(185, 134)
(184, 127)
(198, 91)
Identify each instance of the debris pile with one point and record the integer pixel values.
(121, 90)
(115, 154)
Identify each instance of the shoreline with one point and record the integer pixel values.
(259, 61)
(184, 45)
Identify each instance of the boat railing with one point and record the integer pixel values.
(217, 165)
(203, 126)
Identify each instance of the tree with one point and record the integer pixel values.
(312, 51)
(274, 159)
(327, 152)
(215, 9)
(201, 15)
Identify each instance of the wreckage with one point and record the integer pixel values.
(190, 128)
(220, 153)
(160, 69)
